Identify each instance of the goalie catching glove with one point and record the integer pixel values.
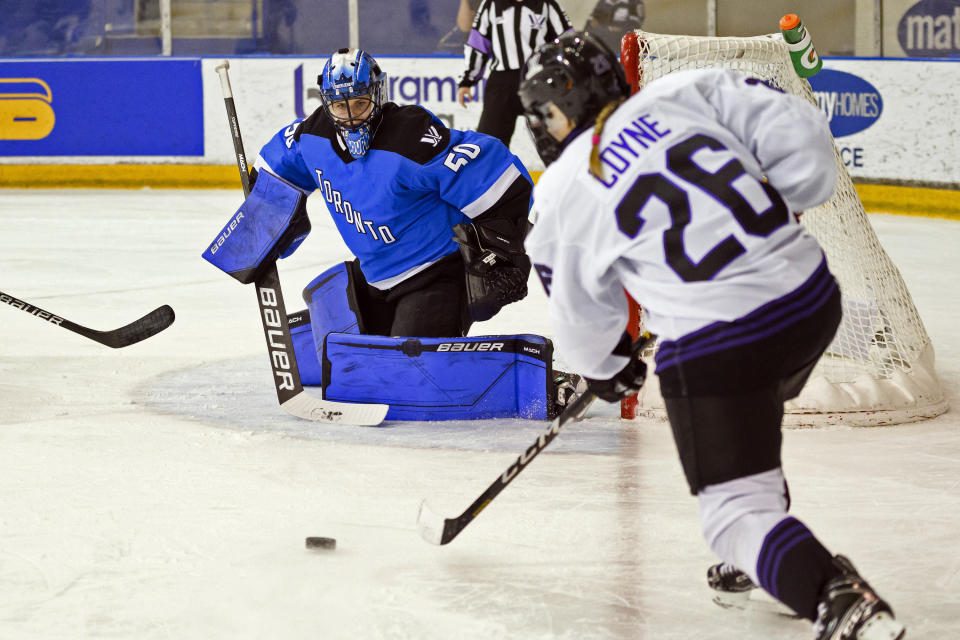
(496, 266)
(628, 380)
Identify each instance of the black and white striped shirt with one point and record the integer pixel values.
(508, 31)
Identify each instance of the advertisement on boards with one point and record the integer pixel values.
(891, 119)
(101, 108)
(271, 94)
(921, 28)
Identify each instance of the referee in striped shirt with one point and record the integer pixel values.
(506, 31)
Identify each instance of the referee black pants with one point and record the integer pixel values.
(501, 105)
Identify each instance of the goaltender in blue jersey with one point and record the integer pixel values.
(436, 219)
(397, 182)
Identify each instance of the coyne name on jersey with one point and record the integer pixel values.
(637, 131)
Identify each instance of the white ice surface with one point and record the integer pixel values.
(158, 492)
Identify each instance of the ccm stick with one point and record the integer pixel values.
(141, 329)
(436, 529)
(273, 314)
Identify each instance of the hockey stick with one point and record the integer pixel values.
(140, 329)
(273, 314)
(436, 529)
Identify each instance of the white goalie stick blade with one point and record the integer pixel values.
(430, 524)
(307, 407)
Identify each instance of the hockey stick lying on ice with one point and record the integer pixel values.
(273, 314)
(436, 529)
(141, 329)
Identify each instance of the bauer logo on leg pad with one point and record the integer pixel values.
(470, 346)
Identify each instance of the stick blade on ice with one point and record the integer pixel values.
(305, 406)
(430, 525)
(138, 330)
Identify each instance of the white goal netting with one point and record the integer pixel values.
(880, 367)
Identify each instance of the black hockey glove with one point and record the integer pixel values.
(628, 380)
(496, 267)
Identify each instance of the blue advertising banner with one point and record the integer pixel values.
(101, 108)
(850, 103)
(930, 29)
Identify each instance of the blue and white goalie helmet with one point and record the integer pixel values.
(353, 90)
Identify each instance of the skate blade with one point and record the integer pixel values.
(754, 600)
(881, 626)
(731, 599)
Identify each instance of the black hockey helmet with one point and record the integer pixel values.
(576, 72)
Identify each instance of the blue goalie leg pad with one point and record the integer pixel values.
(304, 349)
(332, 303)
(330, 309)
(442, 378)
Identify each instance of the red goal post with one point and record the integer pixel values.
(629, 54)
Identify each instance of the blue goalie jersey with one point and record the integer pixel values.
(395, 206)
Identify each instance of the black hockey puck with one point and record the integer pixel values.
(316, 542)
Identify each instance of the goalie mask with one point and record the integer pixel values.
(353, 89)
(579, 75)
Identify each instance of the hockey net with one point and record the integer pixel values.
(880, 367)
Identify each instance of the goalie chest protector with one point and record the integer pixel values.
(472, 378)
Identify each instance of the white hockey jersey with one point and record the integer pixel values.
(683, 219)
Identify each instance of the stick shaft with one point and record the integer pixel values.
(241, 156)
(273, 311)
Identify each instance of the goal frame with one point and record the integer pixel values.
(892, 398)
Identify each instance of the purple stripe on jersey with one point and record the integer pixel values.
(479, 43)
(782, 538)
(760, 323)
(742, 335)
(770, 310)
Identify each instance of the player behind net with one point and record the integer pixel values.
(661, 194)
(436, 219)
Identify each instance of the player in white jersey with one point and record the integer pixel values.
(684, 196)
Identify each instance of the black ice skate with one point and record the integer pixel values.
(567, 388)
(851, 610)
(731, 586)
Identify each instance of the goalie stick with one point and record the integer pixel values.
(140, 329)
(273, 314)
(436, 529)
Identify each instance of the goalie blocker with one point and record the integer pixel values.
(421, 378)
(270, 224)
